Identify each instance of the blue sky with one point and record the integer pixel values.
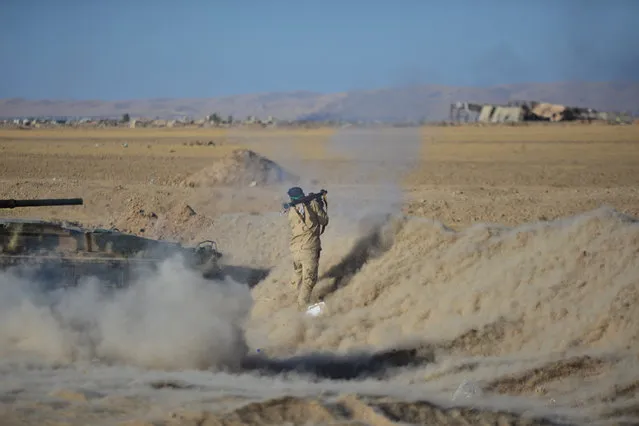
(116, 49)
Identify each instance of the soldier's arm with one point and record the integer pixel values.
(320, 213)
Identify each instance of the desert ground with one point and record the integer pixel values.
(504, 256)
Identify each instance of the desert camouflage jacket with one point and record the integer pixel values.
(307, 222)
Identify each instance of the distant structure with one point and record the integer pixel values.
(212, 120)
(464, 110)
(518, 111)
(512, 112)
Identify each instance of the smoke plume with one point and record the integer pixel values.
(172, 318)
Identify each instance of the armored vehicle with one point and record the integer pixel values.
(60, 254)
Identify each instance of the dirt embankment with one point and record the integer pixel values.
(241, 168)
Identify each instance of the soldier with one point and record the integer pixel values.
(307, 221)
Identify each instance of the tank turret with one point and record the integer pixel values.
(61, 253)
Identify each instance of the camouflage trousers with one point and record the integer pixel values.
(305, 266)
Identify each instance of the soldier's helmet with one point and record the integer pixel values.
(295, 193)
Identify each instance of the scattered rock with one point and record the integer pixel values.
(189, 210)
(200, 143)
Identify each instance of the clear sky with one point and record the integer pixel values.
(117, 49)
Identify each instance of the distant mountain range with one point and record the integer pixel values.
(429, 102)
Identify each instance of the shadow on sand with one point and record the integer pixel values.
(245, 274)
(373, 244)
(341, 367)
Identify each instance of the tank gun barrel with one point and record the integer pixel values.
(10, 204)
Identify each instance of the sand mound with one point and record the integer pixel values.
(179, 223)
(241, 168)
(567, 284)
(533, 381)
(355, 410)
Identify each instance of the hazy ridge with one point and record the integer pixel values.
(429, 102)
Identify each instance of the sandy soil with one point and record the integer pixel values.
(505, 258)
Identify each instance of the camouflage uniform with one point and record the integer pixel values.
(307, 220)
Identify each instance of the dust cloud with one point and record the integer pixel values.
(170, 318)
(377, 159)
(541, 309)
(542, 288)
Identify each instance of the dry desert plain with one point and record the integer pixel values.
(506, 255)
